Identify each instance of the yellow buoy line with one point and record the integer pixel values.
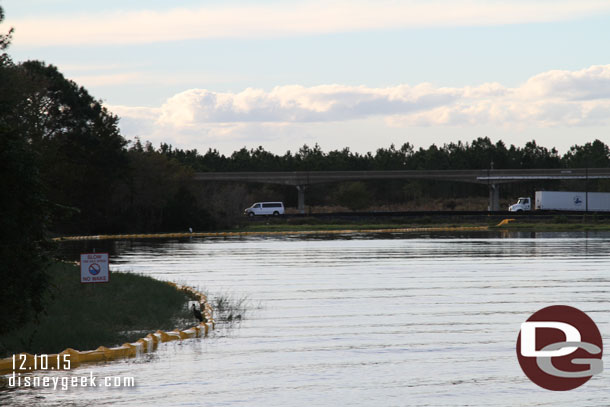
(27, 362)
(272, 233)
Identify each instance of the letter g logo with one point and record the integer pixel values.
(554, 345)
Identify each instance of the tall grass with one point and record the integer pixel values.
(85, 316)
(228, 308)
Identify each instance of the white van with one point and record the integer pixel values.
(265, 208)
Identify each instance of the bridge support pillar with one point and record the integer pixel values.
(494, 197)
(301, 204)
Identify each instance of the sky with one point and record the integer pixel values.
(357, 74)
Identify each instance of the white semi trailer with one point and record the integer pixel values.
(564, 201)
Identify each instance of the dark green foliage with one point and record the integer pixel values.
(95, 184)
(450, 205)
(5, 40)
(592, 155)
(159, 195)
(353, 195)
(23, 217)
(82, 156)
(24, 211)
(479, 154)
(560, 219)
(183, 212)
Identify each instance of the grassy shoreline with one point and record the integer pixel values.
(554, 227)
(551, 225)
(84, 316)
(350, 226)
(317, 227)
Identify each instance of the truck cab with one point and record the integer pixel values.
(523, 204)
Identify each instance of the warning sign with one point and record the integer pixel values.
(94, 268)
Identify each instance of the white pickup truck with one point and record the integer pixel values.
(564, 201)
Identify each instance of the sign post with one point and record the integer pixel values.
(94, 268)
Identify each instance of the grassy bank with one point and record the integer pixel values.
(279, 224)
(350, 226)
(554, 223)
(83, 316)
(554, 227)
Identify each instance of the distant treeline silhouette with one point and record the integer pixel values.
(478, 154)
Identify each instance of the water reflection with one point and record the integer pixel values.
(70, 250)
(391, 319)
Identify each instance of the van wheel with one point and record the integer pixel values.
(250, 214)
(276, 213)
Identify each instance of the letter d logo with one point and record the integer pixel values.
(528, 338)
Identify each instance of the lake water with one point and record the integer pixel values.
(364, 320)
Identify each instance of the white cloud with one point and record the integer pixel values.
(550, 98)
(299, 104)
(591, 83)
(554, 99)
(281, 19)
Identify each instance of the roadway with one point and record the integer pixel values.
(491, 177)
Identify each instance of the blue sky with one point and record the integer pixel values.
(201, 74)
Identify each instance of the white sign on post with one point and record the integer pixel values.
(94, 268)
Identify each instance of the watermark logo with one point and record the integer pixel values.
(560, 348)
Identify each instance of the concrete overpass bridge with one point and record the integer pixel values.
(491, 177)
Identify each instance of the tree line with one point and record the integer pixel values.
(481, 153)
